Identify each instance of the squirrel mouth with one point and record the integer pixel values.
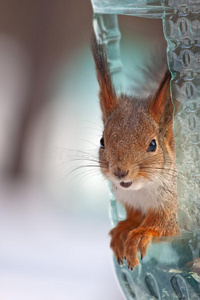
(125, 184)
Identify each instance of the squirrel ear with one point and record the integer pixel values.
(107, 94)
(161, 106)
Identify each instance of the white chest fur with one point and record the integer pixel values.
(141, 199)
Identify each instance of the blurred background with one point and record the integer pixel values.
(54, 203)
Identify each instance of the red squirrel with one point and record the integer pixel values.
(137, 155)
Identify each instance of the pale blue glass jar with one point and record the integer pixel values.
(171, 268)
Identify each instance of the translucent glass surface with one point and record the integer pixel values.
(182, 32)
(171, 268)
(164, 272)
(106, 29)
(143, 8)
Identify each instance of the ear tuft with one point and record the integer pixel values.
(107, 94)
(161, 106)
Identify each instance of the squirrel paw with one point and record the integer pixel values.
(137, 239)
(118, 238)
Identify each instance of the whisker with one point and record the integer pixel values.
(85, 172)
(89, 142)
(99, 162)
(97, 135)
(92, 122)
(77, 159)
(89, 152)
(92, 128)
(77, 168)
(91, 175)
(169, 171)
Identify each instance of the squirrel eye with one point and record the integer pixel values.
(102, 143)
(152, 146)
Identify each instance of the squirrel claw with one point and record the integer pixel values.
(120, 262)
(130, 268)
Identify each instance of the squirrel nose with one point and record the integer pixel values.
(120, 173)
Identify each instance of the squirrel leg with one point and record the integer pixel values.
(155, 224)
(121, 231)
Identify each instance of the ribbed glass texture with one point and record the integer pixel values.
(182, 32)
(143, 8)
(167, 271)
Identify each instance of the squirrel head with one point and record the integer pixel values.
(137, 145)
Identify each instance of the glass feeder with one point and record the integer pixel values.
(171, 268)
